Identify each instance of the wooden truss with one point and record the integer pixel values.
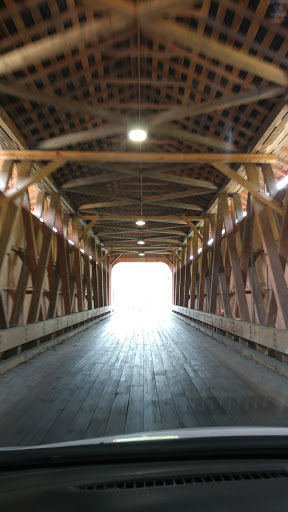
(50, 272)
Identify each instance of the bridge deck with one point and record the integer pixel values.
(132, 375)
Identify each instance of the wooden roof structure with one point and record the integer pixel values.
(205, 77)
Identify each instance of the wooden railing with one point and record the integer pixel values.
(38, 336)
(253, 335)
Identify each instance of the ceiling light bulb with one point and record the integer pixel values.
(137, 134)
(141, 253)
(141, 242)
(140, 222)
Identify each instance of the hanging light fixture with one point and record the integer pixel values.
(140, 222)
(141, 242)
(141, 254)
(137, 133)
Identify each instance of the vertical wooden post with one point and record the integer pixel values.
(4, 322)
(178, 269)
(174, 267)
(204, 264)
(63, 263)
(29, 265)
(6, 167)
(256, 294)
(187, 273)
(43, 260)
(77, 263)
(273, 259)
(283, 255)
(224, 294)
(217, 257)
(109, 281)
(235, 264)
(100, 276)
(194, 270)
(270, 180)
(87, 272)
(10, 212)
(103, 279)
(182, 275)
(94, 273)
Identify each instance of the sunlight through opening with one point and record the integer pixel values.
(142, 288)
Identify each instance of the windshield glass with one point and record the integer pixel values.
(143, 219)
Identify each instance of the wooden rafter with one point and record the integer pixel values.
(182, 180)
(192, 227)
(67, 105)
(155, 218)
(182, 35)
(129, 157)
(250, 186)
(192, 138)
(226, 102)
(57, 43)
(79, 137)
(92, 223)
(23, 184)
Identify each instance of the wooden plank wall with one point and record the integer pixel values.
(243, 274)
(46, 269)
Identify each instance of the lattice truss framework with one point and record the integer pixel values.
(74, 75)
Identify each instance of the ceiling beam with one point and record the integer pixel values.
(116, 231)
(93, 134)
(192, 138)
(134, 240)
(75, 183)
(127, 237)
(115, 204)
(183, 180)
(173, 219)
(248, 185)
(102, 193)
(54, 44)
(61, 103)
(191, 226)
(174, 195)
(22, 185)
(89, 226)
(136, 157)
(80, 137)
(11, 129)
(126, 251)
(153, 199)
(183, 206)
(106, 204)
(226, 102)
(152, 8)
(171, 114)
(190, 38)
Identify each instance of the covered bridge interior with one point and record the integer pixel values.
(201, 87)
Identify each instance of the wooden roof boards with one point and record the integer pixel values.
(204, 76)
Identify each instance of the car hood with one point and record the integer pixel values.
(166, 435)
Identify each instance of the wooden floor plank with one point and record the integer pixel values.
(132, 375)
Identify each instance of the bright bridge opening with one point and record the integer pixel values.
(142, 287)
